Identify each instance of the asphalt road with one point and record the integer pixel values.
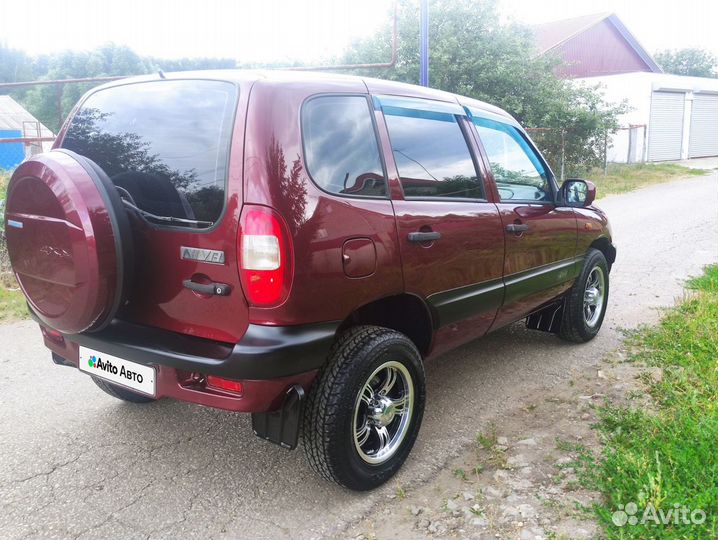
(76, 463)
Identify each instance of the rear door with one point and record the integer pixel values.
(450, 234)
(173, 149)
(540, 236)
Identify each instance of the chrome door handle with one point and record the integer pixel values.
(424, 236)
(517, 227)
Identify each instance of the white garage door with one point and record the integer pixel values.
(704, 126)
(665, 126)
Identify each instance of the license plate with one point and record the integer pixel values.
(118, 370)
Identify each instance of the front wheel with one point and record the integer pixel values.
(364, 412)
(586, 302)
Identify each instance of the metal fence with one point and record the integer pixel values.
(5, 272)
(626, 144)
(553, 143)
(25, 143)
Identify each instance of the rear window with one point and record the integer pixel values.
(340, 146)
(164, 143)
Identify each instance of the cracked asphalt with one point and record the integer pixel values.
(75, 463)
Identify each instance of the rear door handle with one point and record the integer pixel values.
(218, 289)
(424, 236)
(517, 227)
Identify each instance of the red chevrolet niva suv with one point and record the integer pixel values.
(296, 246)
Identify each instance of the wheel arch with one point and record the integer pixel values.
(405, 313)
(604, 245)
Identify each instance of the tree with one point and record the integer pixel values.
(474, 54)
(107, 60)
(694, 62)
(14, 65)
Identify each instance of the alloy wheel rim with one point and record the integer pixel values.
(382, 412)
(594, 295)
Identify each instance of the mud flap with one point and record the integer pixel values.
(547, 319)
(282, 426)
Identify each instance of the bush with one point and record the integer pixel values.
(4, 259)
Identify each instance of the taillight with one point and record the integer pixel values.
(265, 256)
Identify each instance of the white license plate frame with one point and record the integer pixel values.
(131, 375)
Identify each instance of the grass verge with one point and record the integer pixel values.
(622, 178)
(12, 302)
(666, 458)
(4, 179)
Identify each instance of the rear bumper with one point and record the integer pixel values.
(268, 360)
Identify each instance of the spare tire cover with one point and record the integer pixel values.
(68, 238)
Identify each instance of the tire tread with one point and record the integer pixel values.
(328, 397)
(572, 324)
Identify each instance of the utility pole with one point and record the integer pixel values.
(424, 45)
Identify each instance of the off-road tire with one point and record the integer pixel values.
(121, 393)
(328, 420)
(573, 325)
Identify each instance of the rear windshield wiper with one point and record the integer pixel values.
(166, 219)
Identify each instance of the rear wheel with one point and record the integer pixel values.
(364, 412)
(121, 393)
(585, 304)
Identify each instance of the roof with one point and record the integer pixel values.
(551, 35)
(373, 86)
(14, 116)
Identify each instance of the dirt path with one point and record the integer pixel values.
(76, 463)
(518, 479)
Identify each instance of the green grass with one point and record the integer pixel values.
(622, 178)
(4, 179)
(667, 456)
(12, 304)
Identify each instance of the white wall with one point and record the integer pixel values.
(636, 89)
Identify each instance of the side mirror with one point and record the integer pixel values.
(578, 193)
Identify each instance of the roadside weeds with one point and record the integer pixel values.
(623, 178)
(12, 301)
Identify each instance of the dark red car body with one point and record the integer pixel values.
(352, 259)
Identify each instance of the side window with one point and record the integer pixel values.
(431, 154)
(340, 146)
(517, 170)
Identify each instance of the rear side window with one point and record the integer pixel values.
(164, 143)
(431, 154)
(340, 146)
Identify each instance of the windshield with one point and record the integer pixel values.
(164, 144)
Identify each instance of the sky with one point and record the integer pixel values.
(307, 30)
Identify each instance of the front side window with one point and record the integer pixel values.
(164, 144)
(517, 170)
(431, 154)
(340, 146)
